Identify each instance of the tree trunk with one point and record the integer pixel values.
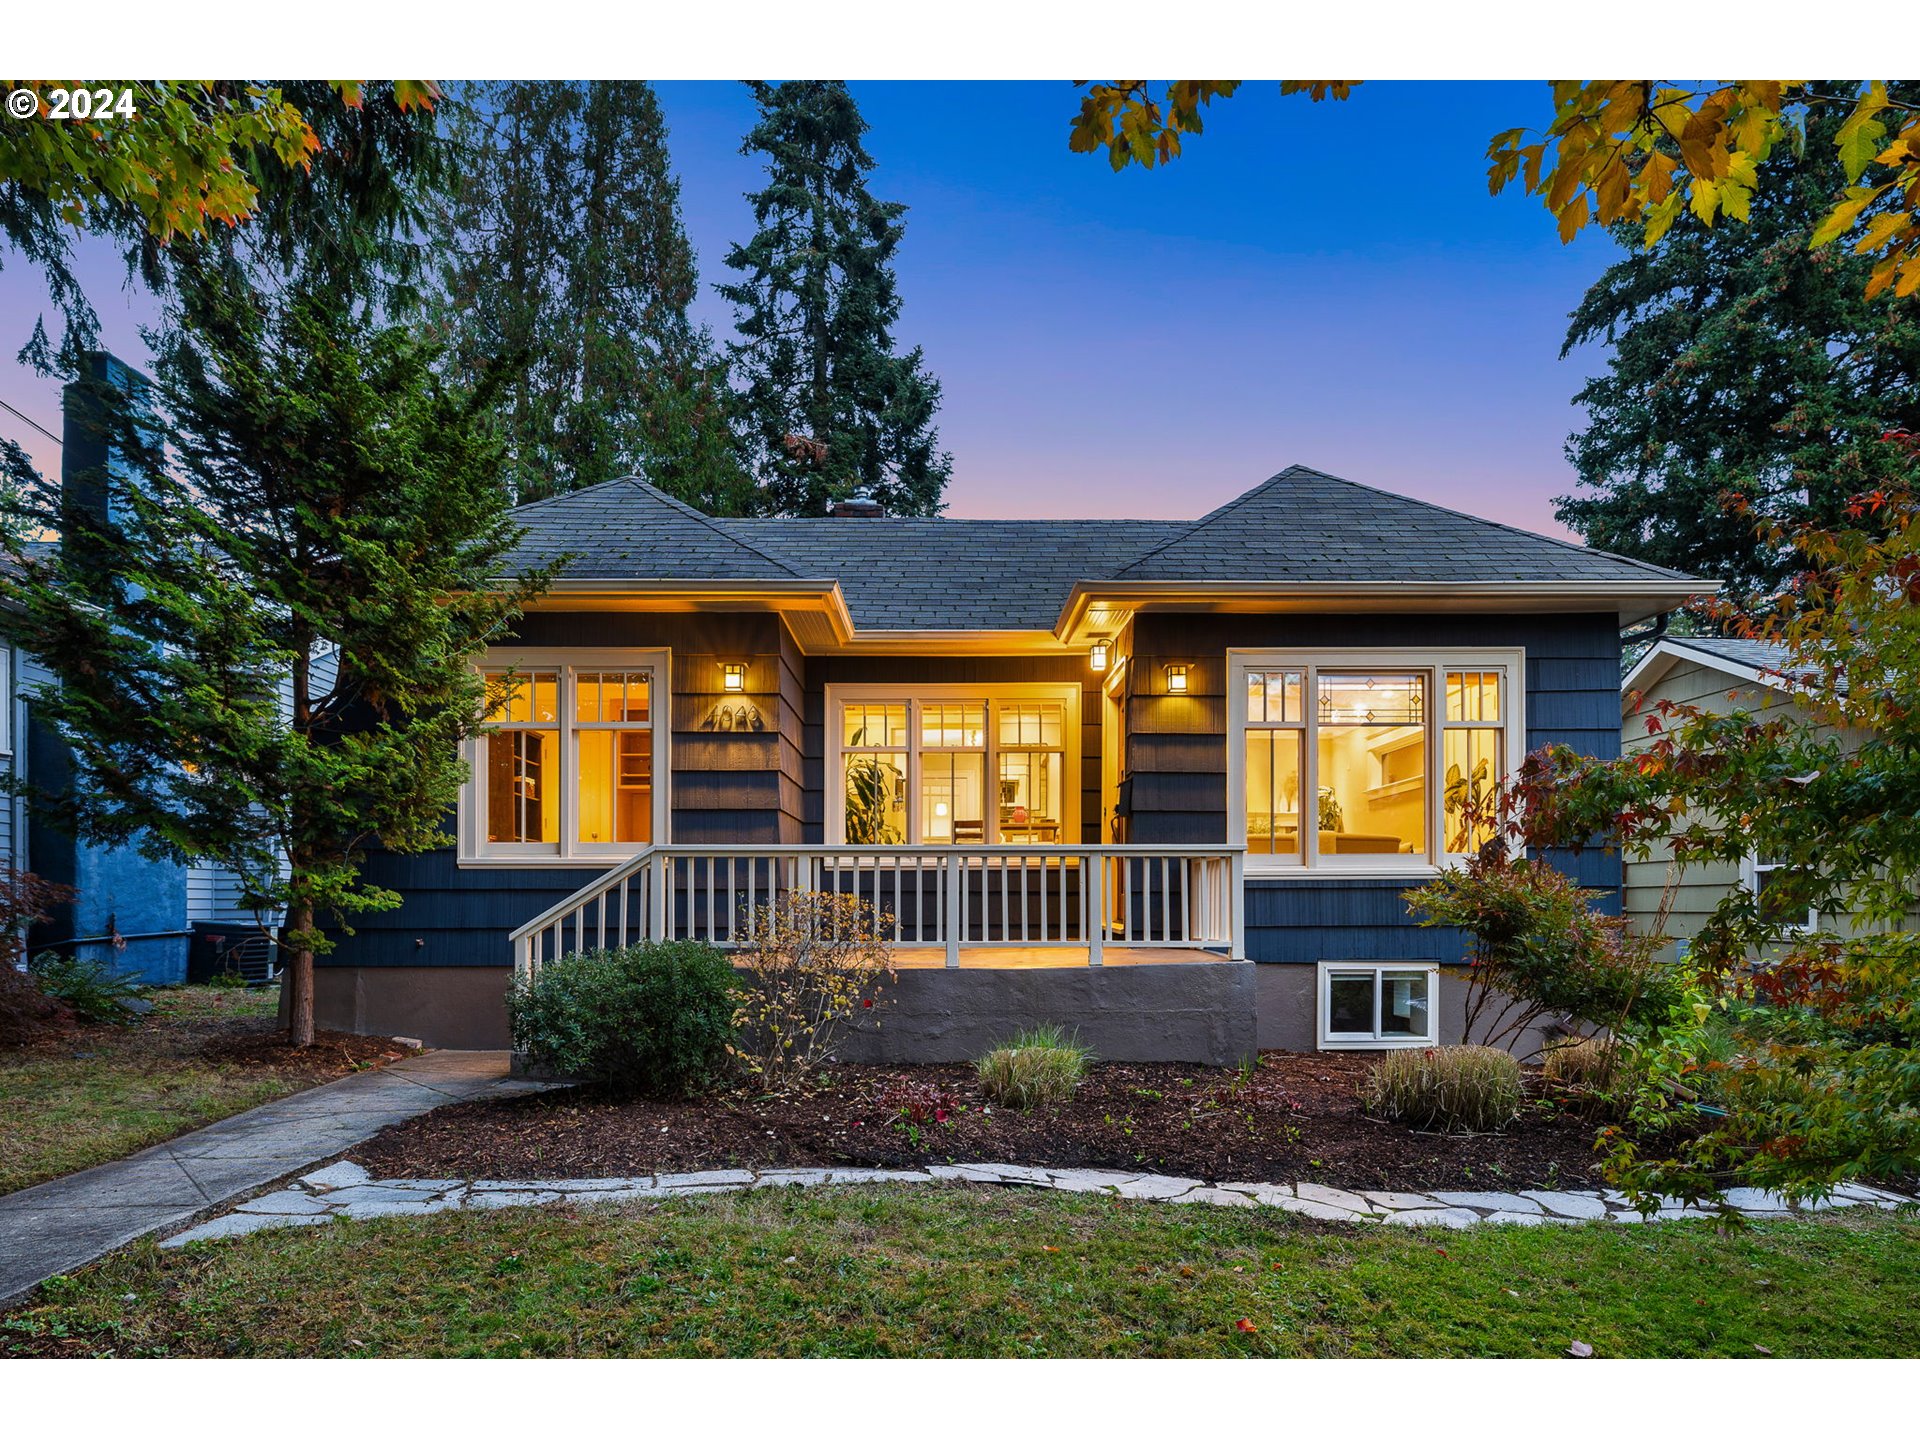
(298, 978)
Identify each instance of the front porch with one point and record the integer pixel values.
(1129, 947)
(1001, 907)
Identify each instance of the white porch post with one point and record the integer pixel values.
(1237, 905)
(1093, 899)
(956, 903)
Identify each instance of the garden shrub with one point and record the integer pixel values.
(1042, 1066)
(653, 1019)
(1580, 1061)
(91, 989)
(1473, 1088)
(1540, 951)
(27, 1011)
(811, 972)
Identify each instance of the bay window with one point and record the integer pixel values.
(1343, 761)
(568, 768)
(951, 764)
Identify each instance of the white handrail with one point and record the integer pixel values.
(956, 897)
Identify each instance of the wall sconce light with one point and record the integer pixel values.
(1099, 655)
(1176, 679)
(733, 678)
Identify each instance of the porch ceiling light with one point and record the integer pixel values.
(733, 677)
(1176, 679)
(1099, 655)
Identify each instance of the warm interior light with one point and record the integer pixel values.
(1176, 679)
(1098, 655)
(734, 677)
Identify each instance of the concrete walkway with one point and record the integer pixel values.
(51, 1228)
(345, 1191)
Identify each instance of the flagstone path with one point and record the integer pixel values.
(346, 1191)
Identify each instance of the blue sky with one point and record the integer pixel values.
(1320, 284)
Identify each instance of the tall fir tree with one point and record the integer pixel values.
(263, 640)
(1742, 363)
(567, 262)
(827, 406)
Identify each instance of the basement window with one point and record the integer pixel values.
(1378, 1007)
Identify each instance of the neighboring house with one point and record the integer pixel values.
(1719, 676)
(1087, 766)
(133, 913)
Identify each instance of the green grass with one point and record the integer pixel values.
(107, 1091)
(904, 1270)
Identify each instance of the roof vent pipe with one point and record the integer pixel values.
(859, 505)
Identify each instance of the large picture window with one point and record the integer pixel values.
(1367, 760)
(568, 767)
(954, 765)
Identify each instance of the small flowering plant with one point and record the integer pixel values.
(914, 1105)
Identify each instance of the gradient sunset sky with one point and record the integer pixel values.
(1329, 285)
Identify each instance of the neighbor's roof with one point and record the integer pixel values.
(1759, 662)
(1753, 654)
(898, 574)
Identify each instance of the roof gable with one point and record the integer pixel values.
(1307, 525)
(627, 530)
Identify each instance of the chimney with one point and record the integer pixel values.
(860, 505)
(95, 470)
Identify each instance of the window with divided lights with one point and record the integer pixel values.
(1371, 1007)
(567, 767)
(954, 765)
(1344, 761)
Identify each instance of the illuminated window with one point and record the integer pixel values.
(947, 765)
(1472, 754)
(1345, 762)
(568, 767)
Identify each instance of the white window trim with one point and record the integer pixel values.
(1323, 1007)
(6, 700)
(470, 823)
(1435, 662)
(1750, 870)
(840, 696)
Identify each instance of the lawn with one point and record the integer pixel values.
(904, 1270)
(103, 1091)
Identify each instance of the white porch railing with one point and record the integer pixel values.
(956, 897)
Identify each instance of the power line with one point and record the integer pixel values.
(28, 419)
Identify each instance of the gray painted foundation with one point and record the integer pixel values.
(1199, 1013)
(449, 1007)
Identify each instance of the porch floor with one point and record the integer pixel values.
(1049, 957)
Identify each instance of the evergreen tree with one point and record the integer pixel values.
(568, 262)
(1742, 363)
(828, 407)
(300, 488)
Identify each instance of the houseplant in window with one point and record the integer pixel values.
(876, 804)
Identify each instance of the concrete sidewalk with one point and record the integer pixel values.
(51, 1228)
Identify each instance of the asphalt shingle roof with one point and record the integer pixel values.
(626, 529)
(1756, 654)
(942, 574)
(1307, 525)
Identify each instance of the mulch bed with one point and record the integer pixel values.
(1296, 1117)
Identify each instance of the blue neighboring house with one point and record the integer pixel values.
(140, 916)
(1163, 782)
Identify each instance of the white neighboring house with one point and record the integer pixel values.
(216, 898)
(1721, 676)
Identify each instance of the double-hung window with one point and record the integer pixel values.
(1368, 760)
(570, 767)
(1761, 876)
(953, 764)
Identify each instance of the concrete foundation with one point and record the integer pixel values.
(1201, 1013)
(1198, 1013)
(1207, 1014)
(1286, 1019)
(449, 1007)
